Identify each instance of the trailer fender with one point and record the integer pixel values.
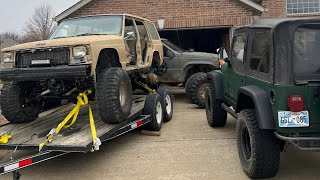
(215, 80)
(254, 97)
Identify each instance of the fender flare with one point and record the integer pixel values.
(215, 80)
(262, 106)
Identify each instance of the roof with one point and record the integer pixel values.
(82, 3)
(273, 23)
(254, 5)
(71, 10)
(123, 14)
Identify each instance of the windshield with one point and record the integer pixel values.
(307, 49)
(97, 25)
(172, 46)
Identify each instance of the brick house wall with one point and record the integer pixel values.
(178, 13)
(188, 13)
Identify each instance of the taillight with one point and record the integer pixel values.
(296, 103)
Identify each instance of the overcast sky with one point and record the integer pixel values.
(14, 13)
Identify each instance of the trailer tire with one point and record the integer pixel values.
(259, 150)
(216, 116)
(198, 84)
(167, 104)
(114, 95)
(14, 107)
(153, 107)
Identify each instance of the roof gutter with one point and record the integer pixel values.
(71, 10)
(254, 5)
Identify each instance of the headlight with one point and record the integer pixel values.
(7, 57)
(79, 51)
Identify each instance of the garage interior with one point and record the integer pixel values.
(201, 40)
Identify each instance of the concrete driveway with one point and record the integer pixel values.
(187, 149)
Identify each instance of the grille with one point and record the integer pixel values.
(57, 56)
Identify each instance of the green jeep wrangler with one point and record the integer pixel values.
(270, 83)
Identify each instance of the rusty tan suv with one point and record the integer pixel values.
(105, 53)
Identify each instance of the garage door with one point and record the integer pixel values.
(202, 40)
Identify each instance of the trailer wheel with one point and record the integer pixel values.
(17, 103)
(153, 107)
(167, 104)
(114, 95)
(197, 87)
(259, 150)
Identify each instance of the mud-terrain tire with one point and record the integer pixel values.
(167, 104)
(14, 105)
(216, 116)
(198, 84)
(153, 107)
(259, 150)
(114, 95)
(187, 88)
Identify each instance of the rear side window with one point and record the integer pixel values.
(238, 48)
(260, 52)
(153, 31)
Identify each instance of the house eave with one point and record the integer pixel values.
(254, 5)
(71, 10)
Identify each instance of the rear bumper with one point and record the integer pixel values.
(308, 143)
(33, 74)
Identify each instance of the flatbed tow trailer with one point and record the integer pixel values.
(74, 139)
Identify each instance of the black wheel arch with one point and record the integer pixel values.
(104, 63)
(191, 69)
(215, 80)
(253, 97)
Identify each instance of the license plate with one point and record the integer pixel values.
(293, 119)
(39, 62)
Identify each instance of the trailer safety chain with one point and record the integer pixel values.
(146, 87)
(82, 101)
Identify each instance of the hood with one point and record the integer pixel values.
(202, 58)
(70, 41)
(201, 55)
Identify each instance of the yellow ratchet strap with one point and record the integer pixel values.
(5, 137)
(82, 101)
(146, 87)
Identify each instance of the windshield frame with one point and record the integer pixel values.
(60, 26)
(172, 46)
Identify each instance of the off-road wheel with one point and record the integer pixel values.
(18, 103)
(197, 86)
(187, 88)
(114, 95)
(216, 116)
(153, 107)
(259, 150)
(167, 104)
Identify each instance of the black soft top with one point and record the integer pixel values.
(282, 31)
(274, 23)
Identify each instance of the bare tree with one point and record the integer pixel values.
(11, 35)
(40, 25)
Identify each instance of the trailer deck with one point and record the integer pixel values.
(76, 138)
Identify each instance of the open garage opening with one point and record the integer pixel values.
(202, 40)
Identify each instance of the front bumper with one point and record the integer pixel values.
(307, 142)
(36, 74)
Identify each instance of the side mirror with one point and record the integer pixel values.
(170, 54)
(223, 56)
(130, 35)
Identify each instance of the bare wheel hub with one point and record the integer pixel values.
(123, 94)
(202, 91)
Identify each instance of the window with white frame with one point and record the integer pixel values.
(303, 6)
